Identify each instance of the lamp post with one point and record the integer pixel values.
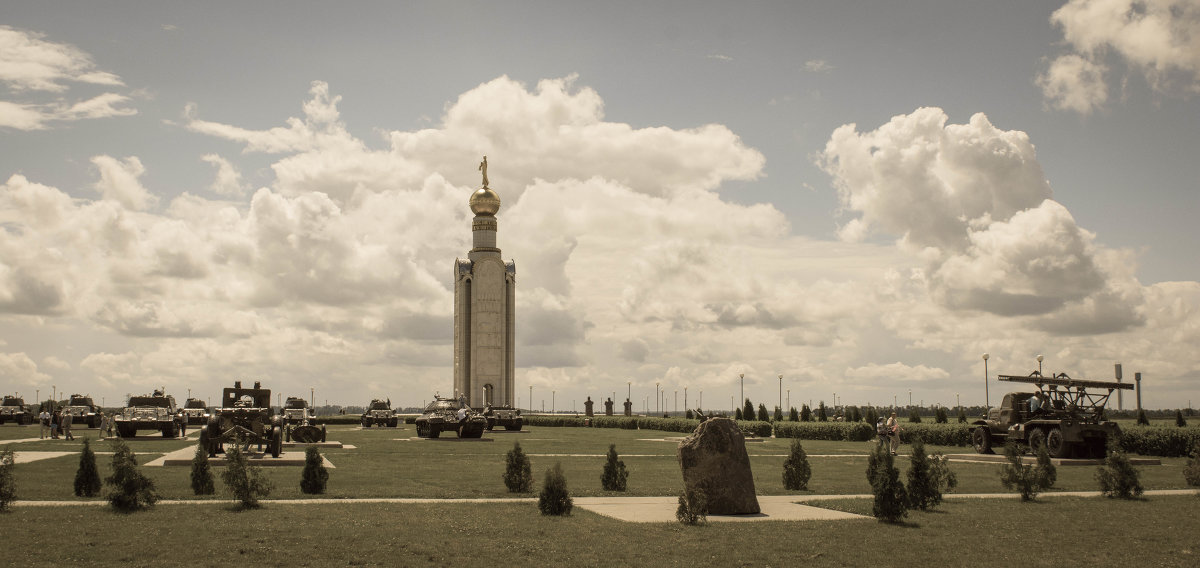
(53, 396)
(677, 401)
(531, 398)
(552, 394)
(986, 399)
(1039, 358)
(958, 402)
(742, 382)
(789, 400)
(910, 397)
(685, 398)
(701, 403)
(657, 399)
(312, 394)
(629, 390)
(781, 393)
(37, 394)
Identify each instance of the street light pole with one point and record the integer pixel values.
(685, 398)
(629, 390)
(987, 402)
(781, 393)
(312, 393)
(1039, 358)
(531, 398)
(657, 399)
(742, 382)
(552, 394)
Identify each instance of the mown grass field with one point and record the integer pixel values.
(387, 463)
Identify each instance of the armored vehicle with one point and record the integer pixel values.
(152, 412)
(13, 410)
(298, 422)
(1062, 414)
(245, 413)
(450, 415)
(505, 416)
(194, 411)
(82, 411)
(379, 413)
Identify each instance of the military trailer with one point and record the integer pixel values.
(504, 416)
(299, 424)
(1062, 414)
(194, 411)
(14, 410)
(151, 412)
(83, 411)
(245, 414)
(450, 415)
(380, 413)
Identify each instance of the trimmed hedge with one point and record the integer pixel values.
(1165, 441)
(851, 431)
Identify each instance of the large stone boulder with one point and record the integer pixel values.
(714, 460)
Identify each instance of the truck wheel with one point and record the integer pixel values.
(1037, 439)
(434, 432)
(322, 433)
(982, 440)
(276, 442)
(1055, 445)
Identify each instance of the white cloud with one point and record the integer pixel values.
(20, 370)
(818, 66)
(228, 181)
(895, 373)
(720, 57)
(1158, 39)
(119, 182)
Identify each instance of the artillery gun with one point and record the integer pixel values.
(506, 416)
(298, 422)
(1062, 414)
(13, 409)
(82, 410)
(246, 415)
(151, 412)
(194, 411)
(450, 415)
(380, 413)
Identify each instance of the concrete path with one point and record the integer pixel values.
(183, 457)
(662, 510)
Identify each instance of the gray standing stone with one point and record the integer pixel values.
(714, 460)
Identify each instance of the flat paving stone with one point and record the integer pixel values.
(662, 510)
(183, 457)
(1068, 462)
(315, 445)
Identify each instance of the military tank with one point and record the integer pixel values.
(505, 416)
(82, 410)
(245, 414)
(150, 412)
(450, 415)
(195, 411)
(379, 413)
(299, 424)
(13, 410)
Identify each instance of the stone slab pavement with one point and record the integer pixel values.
(662, 510)
(183, 457)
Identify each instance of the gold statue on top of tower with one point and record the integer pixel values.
(483, 168)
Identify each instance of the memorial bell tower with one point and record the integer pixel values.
(484, 303)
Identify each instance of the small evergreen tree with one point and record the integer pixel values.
(202, 477)
(796, 471)
(939, 470)
(737, 414)
(315, 476)
(8, 486)
(131, 491)
(1191, 471)
(928, 478)
(914, 416)
(821, 415)
(245, 481)
(940, 416)
(1118, 477)
(748, 410)
(615, 474)
(1026, 479)
(87, 477)
(554, 498)
(1179, 421)
(778, 414)
(518, 474)
(763, 416)
(688, 414)
(793, 416)
(856, 416)
(693, 507)
(871, 416)
(891, 500)
(962, 415)
(1046, 470)
(1141, 418)
(805, 413)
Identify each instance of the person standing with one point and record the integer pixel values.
(66, 426)
(893, 427)
(183, 424)
(44, 418)
(103, 423)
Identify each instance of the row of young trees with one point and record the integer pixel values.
(823, 414)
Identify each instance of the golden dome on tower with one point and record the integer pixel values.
(485, 202)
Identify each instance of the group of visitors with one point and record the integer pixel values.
(889, 432)
(58, 424)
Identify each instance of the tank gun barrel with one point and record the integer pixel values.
(1062, 380)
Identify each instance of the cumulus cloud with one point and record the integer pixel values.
(29, 64)
(1158, 39)
(971, 201)
(21, 370)
(895, 373)
(119, 182)
(818, 66)
(228, 180)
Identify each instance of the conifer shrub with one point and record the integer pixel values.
(962, 415)
(688, 414)
(615, 475)
(793, 415)
(87, 477)
(245, 481)
(924, 491)
(871, 417)
(914, 417)
(891, 500)
(778, 414)
(796, 471)
(202, 477)
(130, 490)
(518, 474)
(693, 507)
(1028, 480)
(1141, 418)
(748, 410)
(805, 413)
(1179, 420)
(822, 416)
(939, 470)
(940, 417)
(1046, 469)
(856, 416)
(1191, 471)
(763, 415)
(554, 498)
(315, 476)
(8, 486)
(1118, 477)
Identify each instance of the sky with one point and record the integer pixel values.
(860, 197)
